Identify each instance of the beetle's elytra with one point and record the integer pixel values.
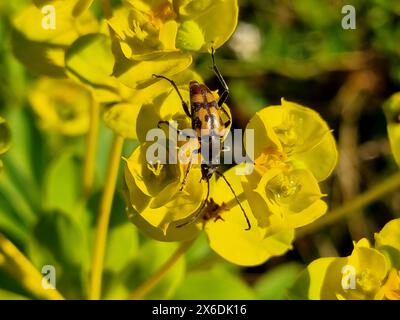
(206, 118)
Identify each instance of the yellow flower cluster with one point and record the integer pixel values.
(114, 58)
(293, 151)
(149, 28)
(61, 105)
(368, 273)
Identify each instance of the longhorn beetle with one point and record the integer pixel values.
(205, 114)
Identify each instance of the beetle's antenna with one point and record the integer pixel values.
(184, 104)
(237, 199)
(200, 210)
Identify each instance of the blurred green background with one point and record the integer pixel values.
(292, 49)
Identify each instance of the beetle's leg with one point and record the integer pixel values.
(225, 93)
(199, 211)
(227, 123)
(180, 132)
(186, 175)
(184, 104)
(188, 170)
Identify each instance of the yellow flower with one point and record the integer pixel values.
(217, 20)
(294, 149)
(41, 38)
(391, 289)
(368, 273)
(280, 195)
(371, 269)
(155, 202)
(226, 226)
(144, 36)
(388, 241)
(61, 105)
(5, 138)
(144, 28)
(223, 220)
(284, 197)
(294, 135)
(359, 276)
(388, 236)
(149, 28)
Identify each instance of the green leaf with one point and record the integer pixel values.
(11, 224)
(60, 238)
(200, 252)
(12, 286)
(122, 239)
(41, 59)
(59, 241)
(122, 246)
(5, 136)
(121, 249)
(27, 159)
(392, 113)
(274, 284)
(113, 287)
(9, 295)
(62, 184)
(300, 288)
(214, 284)
(24, 149)
(16, 212)
(19, 191)
(152, 255)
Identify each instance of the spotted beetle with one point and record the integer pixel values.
(205, 114)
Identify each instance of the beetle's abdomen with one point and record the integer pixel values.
(206, 114)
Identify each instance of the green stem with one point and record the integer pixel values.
(104, 217)
(388, 185)
(15, 263)
(91, 144)
(155, 278)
